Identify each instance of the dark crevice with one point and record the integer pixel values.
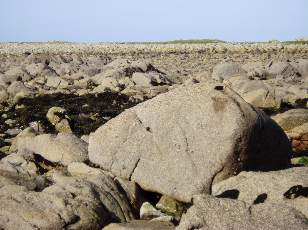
(296, 191)
(260, 199)
(231, 194)
(86, 113)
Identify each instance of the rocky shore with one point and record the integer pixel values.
(153, 136)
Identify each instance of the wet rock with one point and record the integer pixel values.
(182, 129)
(63, 148)
(212, 213)
(273, 186)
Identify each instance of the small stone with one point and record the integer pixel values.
(57, 116)
(13, 132)
(148, 212)
(10, 122)
(170, 206)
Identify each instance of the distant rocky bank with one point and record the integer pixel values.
(153, 136)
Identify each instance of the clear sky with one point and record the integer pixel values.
(158, 20)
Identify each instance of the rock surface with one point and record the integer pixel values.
(63, 148)
(140, 225)
(156, 138)
(268, 187)
(210, 213)
(69, 203)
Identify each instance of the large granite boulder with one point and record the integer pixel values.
(209, 213)
(181, 142)
(287, 187)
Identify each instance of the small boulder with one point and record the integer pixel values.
(291, 118)
(224, 71)
(57, 117)
(63, 149)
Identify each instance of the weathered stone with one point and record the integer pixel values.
(224, 71)
(56, 116)
(64, 148)
(148, 212)
(291, 118)
(35, 69)
(212, 213)
(299, 138)
(141, 225)
(264, 187)
(182, 130)
(71, 202)
(170, 206)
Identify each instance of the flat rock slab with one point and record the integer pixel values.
(209, 213)
(63, 148)
(288, 186)
(180, 142)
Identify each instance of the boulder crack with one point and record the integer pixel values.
(134, 169)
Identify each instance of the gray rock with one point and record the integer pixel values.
(187, 129)
(255, 92)
(107, 84)
(224, 71)
(148, 212)
(268, 187)
(72, 203)
(141, 225)
(142, 79)
(53, 82)
(13, 74)
(285, 71)
(149, 79)
(35, 69)
(302, 66)
(58, 117)
(17, 87)
(291, 118)
(211, 213)
(63, 149)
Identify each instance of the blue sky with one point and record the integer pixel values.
(159, 20)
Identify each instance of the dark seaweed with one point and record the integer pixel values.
(86, 113)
